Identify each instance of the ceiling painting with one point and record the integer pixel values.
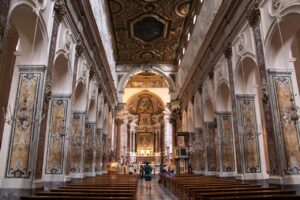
(148, 31)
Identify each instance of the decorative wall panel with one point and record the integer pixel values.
(89, 146)
(23, 139)
(98, 149)
(56, 135)
(248, 123)
(211, 147)
(226, 138)
(76, 142)
(202, 161)
(286, 130)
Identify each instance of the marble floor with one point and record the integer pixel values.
(157, 191)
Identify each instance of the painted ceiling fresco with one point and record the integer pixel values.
(148, 31)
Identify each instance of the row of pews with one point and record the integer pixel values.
(117, 187)
(194, 187)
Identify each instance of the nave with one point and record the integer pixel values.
(184, 186)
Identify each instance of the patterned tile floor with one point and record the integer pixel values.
(157, 192)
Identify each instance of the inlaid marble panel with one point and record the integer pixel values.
(56, 135)
(202, 160)
(77, 142)
(89, 147)
(249, 133)
(281, 90)
(22, 141)
(98, 149)
(211, 147)
(227, 146)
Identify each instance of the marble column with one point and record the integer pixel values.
(162, 144)
(237, 142)
(118, 122)
(128, 138)
(274, 160)
(58, 16)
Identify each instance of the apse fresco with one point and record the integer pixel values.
(56, 137)
(146, 104)
(22, 130)
(89, 147)
(227, 146)
(250, 135)
(76, 142)
(287, 129)
(211, 147)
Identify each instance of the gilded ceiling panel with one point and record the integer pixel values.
(148, 31)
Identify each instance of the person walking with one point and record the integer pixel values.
(148, 175)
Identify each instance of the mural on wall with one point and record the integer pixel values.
(250, 136)
(76, 142)
(211, 147)
(19, 164)
(281, 89)
(227, 146)
(98, 149)
(89, 147)
(56, 137)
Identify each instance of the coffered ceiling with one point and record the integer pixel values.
(148, 31)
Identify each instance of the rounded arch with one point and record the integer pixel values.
(208, 110)
(246, 75)
(32, 33)
(223, 95)
(80, 97)
(61, 79)
(135, 71)
(279, 41)
(25, 34)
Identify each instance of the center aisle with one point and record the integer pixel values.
(157, 191)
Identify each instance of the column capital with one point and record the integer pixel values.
(253, 16)
(60, 9)
(119, 121)
(228, 50)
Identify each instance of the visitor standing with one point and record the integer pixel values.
(148, 175)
